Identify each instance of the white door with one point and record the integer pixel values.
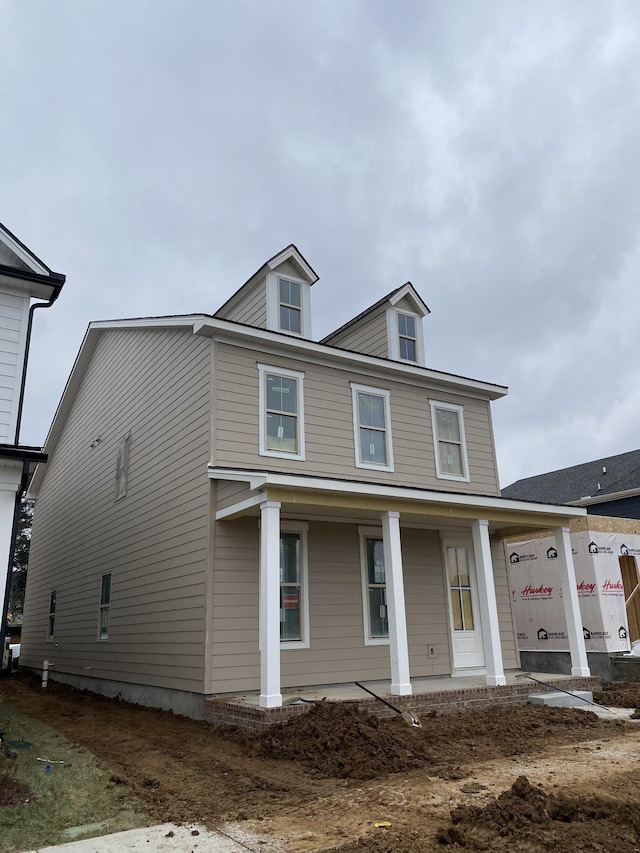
(464, 612)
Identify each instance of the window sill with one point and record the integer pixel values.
(281, 454)
(287, 645)
(376, 641)
(372, 466)
(453, 477)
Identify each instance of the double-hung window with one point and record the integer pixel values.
(447, 421)
(52, 614)
(372, 428)
(105, 606)
(281, 413)
(290, 306)
(407, 337)
(374, 587)
(294, 602)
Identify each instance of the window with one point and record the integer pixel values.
(407, 339)
(460, 589)
(281, 413)
(105, 603)
(52, 614)
(372, 428)
(449, 442)
(294, 603)
(290, 306)
(374, 587)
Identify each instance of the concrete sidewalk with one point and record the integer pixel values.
(165, 838)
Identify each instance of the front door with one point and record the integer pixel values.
(464, 613)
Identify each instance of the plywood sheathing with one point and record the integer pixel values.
(597, 523)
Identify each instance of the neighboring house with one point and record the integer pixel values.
(23, 279)
(230, 506)
(609, 486)
(605, 554)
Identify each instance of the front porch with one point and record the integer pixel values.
(440, 695)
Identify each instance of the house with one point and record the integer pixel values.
(605, 556)
(232, 507)
(609, 486)
(26, 283)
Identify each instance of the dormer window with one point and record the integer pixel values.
(290, 306)
(407, 339)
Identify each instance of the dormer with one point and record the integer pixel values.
(391, 328)
(276, 297)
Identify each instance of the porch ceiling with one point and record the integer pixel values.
(348, 501)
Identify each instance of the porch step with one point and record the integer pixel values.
(562, 700)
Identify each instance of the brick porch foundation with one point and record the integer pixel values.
(232, 712)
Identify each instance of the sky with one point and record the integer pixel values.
(157, 152)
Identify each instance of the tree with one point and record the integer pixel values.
(21, 559)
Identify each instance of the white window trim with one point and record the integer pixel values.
(452, 407)
(263, 369)
(273, 305)
(302, 528)
(386, 395)
(393, 336)
(368, 533)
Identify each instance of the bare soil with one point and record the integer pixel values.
(12, 792)
(337, 775)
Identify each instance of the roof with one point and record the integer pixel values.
(607, 476)
(25, 270)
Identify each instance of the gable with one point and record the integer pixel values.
(23, 271)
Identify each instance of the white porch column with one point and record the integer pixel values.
(398, 644)
(270, 696)
(488, 604)
(579, 663)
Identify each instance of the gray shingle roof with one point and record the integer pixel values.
(580, 481)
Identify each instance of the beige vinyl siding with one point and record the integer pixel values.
(250, 308)
(329, 436)
(154, 384)
(337, 649)
(230, 492)
(510, 654)
(368, 335)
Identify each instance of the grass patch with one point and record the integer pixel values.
(68, 796)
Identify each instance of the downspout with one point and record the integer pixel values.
(56, 292)
(25, 473)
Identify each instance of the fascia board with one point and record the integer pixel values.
(23, 253)
(292, 252)
(300, 347)
(610, 496)
(410, 291)
(266, 479)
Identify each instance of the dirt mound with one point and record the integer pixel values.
(522, 819)
(337, 739)
(622, 695)
(527, 818)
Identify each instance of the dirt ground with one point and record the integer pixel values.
(519, 779)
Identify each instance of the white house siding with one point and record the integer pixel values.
(337, 650)
(329, 436)
(14, 312)
(155, 385)
(368, 336)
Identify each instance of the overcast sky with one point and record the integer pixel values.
(158, 152)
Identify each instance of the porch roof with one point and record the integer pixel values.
(351, 500)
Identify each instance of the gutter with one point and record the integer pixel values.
(57, 287)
